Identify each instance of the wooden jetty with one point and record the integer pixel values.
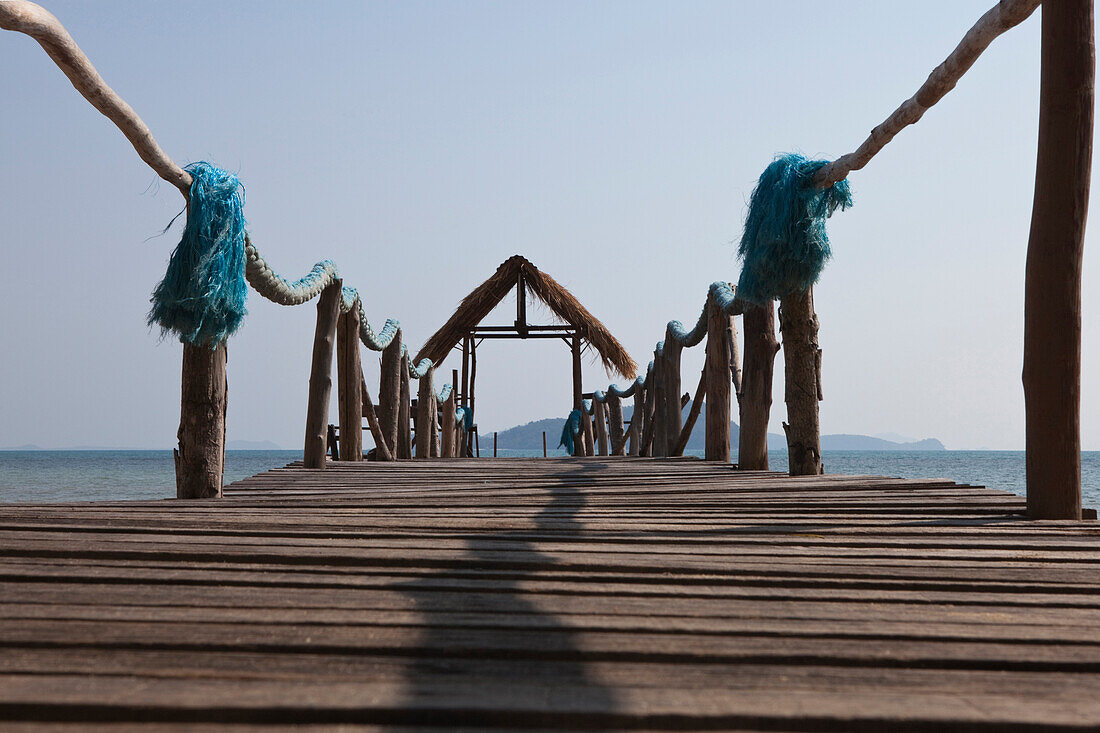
(551, 594)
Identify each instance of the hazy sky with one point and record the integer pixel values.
(613, 144)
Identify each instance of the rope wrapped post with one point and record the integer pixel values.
(802, 390)
(673, 408)
(717, 374)
(320, 376)
(389, 391)
(381, 450)
(425, 420)
(1052, 284)
(755, 399)
(404, 432)
(349, 374)
(615, 419)
(599, 417)
(200, 457)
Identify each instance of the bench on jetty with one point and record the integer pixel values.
(570, 593)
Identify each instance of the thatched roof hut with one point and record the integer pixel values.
(516, 269)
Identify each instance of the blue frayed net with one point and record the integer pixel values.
(785, 247)
(202, 295)
(572, 427)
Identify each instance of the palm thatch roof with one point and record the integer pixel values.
(479, 303)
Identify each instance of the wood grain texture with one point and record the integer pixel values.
(320, 376)
(606, 592)
(200, 457)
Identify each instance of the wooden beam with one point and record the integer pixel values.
(717, 373)
(755, 404)
(1052, 285)
(801, 391)
(320, 376)
(200, 457)
(349, 375)
(693, 415)
(381, 450)
(389, 391)
(425, 419)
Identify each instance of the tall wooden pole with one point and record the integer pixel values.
(320, 376)
(404, 433)
(433, 440)
(578, 400)
(1052, 285)
(673, 407)
(200, 457)
(389, 391)
(425, 420)
(755, 403)
(349, 374)
(718, 385)
(447, 423)
(802, 380)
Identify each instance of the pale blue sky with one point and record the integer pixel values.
(613, 144)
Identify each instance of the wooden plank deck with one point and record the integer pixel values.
(566, 593)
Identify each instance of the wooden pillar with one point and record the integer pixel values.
(1052, 284)
(320, 376)
(447, 426)
(389, 392)
(404, 433)
(433, 441)
(600, 419)
(349, 375)
(544, 444)
(755, 404)
(381, 450)
(200, 457)
(615, 420)
(718, 378)
(425, 420)
(802, 383)
(637, 421)
(578, 400)
(693, 414)
(654, 440)
(494, 444)
(673, 406)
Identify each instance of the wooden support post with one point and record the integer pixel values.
(693, 415)
(578, 400)
(433, 440)
(349, 376)
(381, 450)
(600, 419)
(718, 372)
(544, 444)
(333, 442)
(615, 420)
(425, 420)
(802, 383)
(637, 421)
(494, 444)
(447, 423)
(200, 457)
(389, 392)
(755, 404)
(404, 434)
(673, 405)
(1052, 285)
(320, 376)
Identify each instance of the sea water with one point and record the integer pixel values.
(112, 475)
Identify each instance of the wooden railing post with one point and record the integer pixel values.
(615, 418)
(320, 376)
(802, 385)
(200, 457)
(693, 415)
(600, 419)
(637, 421)
(654, 442)
(1055, 251)
(433, 440)
(425, 420)
(755, 403)
(349, 374)
(389, 392)
(404, 431)
(718, 380)
(447, 423)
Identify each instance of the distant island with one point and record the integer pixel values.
(230, 445)
(529, 437)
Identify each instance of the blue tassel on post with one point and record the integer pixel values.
(572, 427)
(785, 247)
(202, 295)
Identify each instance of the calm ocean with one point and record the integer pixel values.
(50, 476)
